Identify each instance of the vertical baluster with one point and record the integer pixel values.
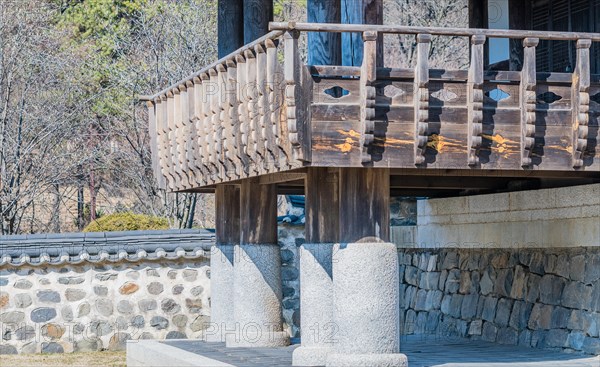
(475, 101)
(154, 112)
(215, 136)
(527, 100)
(580, 98)
(421, 97)
(252, 112)
(190, 140)
(228, 169)
(242, 130)
(368, 74)
(198, 135)
(232, 119)
(292, 92)
(175, 184)
(182, 136)
(274, 82)
(262, 103)
(165, 142)
(207, 126)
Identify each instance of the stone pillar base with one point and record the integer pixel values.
(366, 304)
(252, 339)
(367, 360)
(221, 282)
(257, 295)
(310, 356)
(316, 305)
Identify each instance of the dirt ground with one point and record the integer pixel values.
(105, 359)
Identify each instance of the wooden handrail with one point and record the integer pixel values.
(437, 31)
(223, 60)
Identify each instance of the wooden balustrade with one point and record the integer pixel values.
(260, 112)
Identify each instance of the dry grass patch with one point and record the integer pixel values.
(104, 359)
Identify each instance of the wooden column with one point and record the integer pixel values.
(519, 17)
(257, 15)
(231, 26)
(227, 215)
(360, 12)
(475, 99)
(258, 213)
(324, 48)
(478, 18)
(322, 205)
(364, 205)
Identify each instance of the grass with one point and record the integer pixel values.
(105, 359)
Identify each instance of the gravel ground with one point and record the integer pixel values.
(105, 359)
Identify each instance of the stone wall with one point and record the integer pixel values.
(141, 288)
(543, 298)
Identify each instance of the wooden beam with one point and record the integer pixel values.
(275, 178)
(364, 205)
(258, 212)
(227, 215)
(230, 26)
(322, 205)
(257, 15)
(324, 48)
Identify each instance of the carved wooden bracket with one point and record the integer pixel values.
(581, 101)
(475, 102)
(421, 98)
(368, 74)
(528, 98)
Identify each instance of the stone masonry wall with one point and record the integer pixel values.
(94, 307)
(543, 298)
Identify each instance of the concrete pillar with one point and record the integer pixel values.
(257, 271)
(365, 274)
(227, 205)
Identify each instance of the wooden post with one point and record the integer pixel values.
(206, 127)
(183, 135)
(227, 169)
(166, 140)
(199, 130)
(257, 15)
(191, 134)
(527, 101)
(252, 121)
(368, 75)
(262, 106)
(364, 205)
(421, 97)
(322, 205)
(580, 98)
(258, 212)
(273, 106)
(478, 18)
(215, 124)
(324, 48)
(233, 120)
(242, 129)
(172, 156)
(158, 116)
(227, 215)
(360, 12)
(231, 26)
(475, 101)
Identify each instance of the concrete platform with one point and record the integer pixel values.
(421, 352)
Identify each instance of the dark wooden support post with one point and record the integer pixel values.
(478, 18)
(257, 15)
(364, 205)
(257, 271)
(231, 26)
(227, 220)
(324, 48)
(360, 12)
(322, 205)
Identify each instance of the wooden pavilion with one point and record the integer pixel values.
(349, 133)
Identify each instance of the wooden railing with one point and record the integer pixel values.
(256, 112)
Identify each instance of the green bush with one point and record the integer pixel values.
(126, 222)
